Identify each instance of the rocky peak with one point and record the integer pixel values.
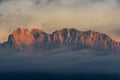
(25, 39)
(64, 35)
(41, 38)
(37, 33)
(21, 38)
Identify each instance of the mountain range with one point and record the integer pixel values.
(36, 39)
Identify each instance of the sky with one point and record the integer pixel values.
(49, 15)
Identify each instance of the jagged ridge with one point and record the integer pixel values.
(23, 39)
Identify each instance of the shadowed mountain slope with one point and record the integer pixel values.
(26, 40)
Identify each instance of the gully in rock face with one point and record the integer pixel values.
(25, 40)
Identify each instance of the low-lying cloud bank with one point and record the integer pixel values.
(61, 61)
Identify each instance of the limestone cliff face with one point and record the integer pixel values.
(41, 39)
(87, 39)
(23, 39)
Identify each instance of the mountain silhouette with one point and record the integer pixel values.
(28, 40)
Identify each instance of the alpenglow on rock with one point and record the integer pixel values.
(24, 40)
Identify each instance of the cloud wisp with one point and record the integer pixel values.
(53, 14)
